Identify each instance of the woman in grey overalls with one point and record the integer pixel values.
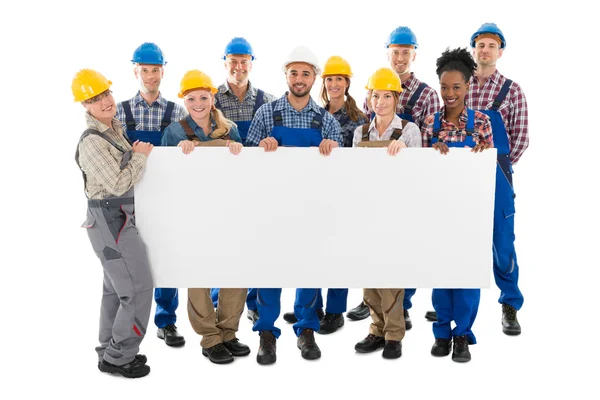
(111, 166)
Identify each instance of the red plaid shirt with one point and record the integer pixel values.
(451, 133)
(513, 109)
(427, 103)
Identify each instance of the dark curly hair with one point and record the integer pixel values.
(458, 59)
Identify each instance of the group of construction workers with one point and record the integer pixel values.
(480, 109)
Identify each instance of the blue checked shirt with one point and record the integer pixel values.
(349, 126)
(231, 106)
(262, 124)
(149, 117)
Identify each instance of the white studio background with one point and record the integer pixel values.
(52, 280)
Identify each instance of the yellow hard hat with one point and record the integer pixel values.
(384, 79)
(88, 83)
(195, 79)
(336, 65)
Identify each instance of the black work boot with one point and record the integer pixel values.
(218, 354)
(142, 359)
(307, 345)
(237, 348)
(171, 336)
(330, 323)
(392, 349)
(370, 344)
(441, 347)
(431, 316)
(267, 349)
(407, 321)
(510, 323)
(134, 369)
(460, 351)
(291, 317)
(359, 312)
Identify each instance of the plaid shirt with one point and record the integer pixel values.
(149, 117)
(101, 161)
(427, 103)
(453, 134)
(349, 125)
(513, 110)
(231, 106)
(174, 133)
(262, 124)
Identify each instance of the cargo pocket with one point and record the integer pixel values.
(89, 221)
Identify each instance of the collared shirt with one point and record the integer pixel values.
(451, 133)
(411, 136)
(174, 133)
(262, 124)
(231, 106)
(427, 103)
(348, 126)
(149, 116)
(513, 109)
(101, 161)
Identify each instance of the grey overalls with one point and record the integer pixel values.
(128, 289)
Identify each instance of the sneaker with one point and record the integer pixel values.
(135, 369)
(460, 351)
(307, 345)
(510, 323)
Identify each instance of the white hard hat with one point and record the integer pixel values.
(302, 54)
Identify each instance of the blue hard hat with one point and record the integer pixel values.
(402, 35)
(238, 45)
(148, 53)
(489, 27)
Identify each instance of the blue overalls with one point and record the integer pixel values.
(407, 115)
(243, 127)
(458, 305)
(153, 137)
(269, 300)
(506, 269)
(167, 299)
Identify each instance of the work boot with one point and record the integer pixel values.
(460, 351)
(407, 321)
(237, 348)
(359, 312)
(218, 354)
(392, 349)
(307, 345)
(441, 347)
(510, 324)
(135, 369)
(431, 316)
(252, 315)
(291, 317)
(370, 344)
(171, 336)
(267, 349)
(142, 359)
(330, 323)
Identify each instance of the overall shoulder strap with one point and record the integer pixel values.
(129, 121)
(501, 95)
(189, 132)
(166, 121)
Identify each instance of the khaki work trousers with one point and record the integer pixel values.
(387, 314)
(204, 319)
